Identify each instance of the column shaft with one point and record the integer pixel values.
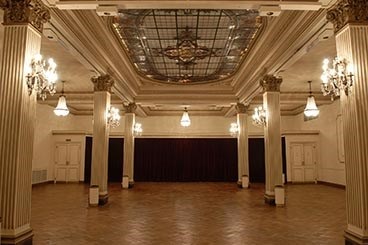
(128, 169)
(100, 145)
(352, 44)
(272, 134)
(243, 163)
(17, 123)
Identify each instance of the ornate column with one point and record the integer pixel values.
(243, 164)
(100, 145)
(272, 134)
(350, 19)
(128, 168)
(23, 21)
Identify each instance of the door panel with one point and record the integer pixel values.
(303, 162)
(60, 174)
(73, 174)
(61, 155)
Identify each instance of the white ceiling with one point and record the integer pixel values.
(83, 46)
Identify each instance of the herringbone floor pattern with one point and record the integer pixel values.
(188, 213)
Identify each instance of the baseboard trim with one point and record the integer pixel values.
(43, 183)
(331, 184)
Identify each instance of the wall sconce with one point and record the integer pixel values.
(336, 78)
(234, 129)
(113, 117)
(137, 130)
(41, 76)
(259, 117)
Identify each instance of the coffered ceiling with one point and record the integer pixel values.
(85, 43)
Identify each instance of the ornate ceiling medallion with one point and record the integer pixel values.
(186, 46)
(187, 50)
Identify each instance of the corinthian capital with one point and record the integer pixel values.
(241, 108)
(271, 83)
(102, 83)
(348, 11)
(130, 108)
(32, 12)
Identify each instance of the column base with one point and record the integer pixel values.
(270, 199)
(24, 238)
(131, 183)
(239, 184)
(353, 239)
(102, 199)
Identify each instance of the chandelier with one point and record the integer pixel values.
(259, 116)
(311, 111)
(336, 78)
(113, 117)
(137, 130)
(61, 108)
(234, 129)
(185, 120)
(41, 76)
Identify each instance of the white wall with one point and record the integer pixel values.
(330, 168)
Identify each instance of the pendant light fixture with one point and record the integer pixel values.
(61, 108)
(185, 120)
(311, 111)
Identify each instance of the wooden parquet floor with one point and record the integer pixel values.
(188, 213)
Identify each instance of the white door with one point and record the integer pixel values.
(67, 162)
(303, 162)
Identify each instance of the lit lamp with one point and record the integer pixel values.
(259, 116)
(61, 108)
(41, 76)
(234, 129)
(337, 77)
(311, 111)
(137, 130)
(185, 120)
(113, 117)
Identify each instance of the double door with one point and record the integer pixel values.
(67, 162)
(303, 162)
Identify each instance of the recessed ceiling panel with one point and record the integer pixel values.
(187, 46)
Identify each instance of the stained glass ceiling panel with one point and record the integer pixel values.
(187, 46)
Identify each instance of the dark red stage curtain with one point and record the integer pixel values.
(173, 159)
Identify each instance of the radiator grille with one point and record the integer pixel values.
(39, 176)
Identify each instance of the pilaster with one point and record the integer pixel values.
(128, 168)
(272, 134)
(22, 40)
(100, 146)
(243, 163)
(350, 19)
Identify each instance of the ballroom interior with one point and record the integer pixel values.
(224, 122)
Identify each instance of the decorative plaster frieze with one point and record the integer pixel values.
(130, 108)
(241, 108)
(348, 11)
(102, 83)
(32, 12)
(271, 83)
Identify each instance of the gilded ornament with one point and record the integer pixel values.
(348, 12)
(25, 12)
(271, 83)
(102, 83)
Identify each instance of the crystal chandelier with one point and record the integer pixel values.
(234, 129)
(61, 108)
(41, 76)
(336, 78)
(137, 130)
(185, 120)
(311, 111)
(113, 117)
(259, 116)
